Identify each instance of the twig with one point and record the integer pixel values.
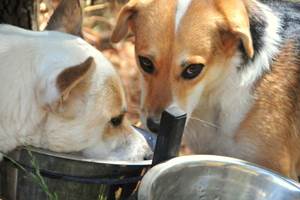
(96, 7)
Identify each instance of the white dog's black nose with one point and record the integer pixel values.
(153, 125)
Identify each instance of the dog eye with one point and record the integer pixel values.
(146, 64)
(117, 121)
(192, 71)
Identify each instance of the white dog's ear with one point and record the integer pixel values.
(67, 18)
(71, 77)
(55, 92)
(123, 21)
(238, 25)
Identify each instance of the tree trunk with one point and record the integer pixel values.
(19, 13)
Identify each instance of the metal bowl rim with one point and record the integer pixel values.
(78, 158)
(203, 159)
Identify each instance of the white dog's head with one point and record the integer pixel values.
(81, 98)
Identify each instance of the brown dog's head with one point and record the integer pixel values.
(184, 48)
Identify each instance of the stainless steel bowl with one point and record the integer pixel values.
(215, 178)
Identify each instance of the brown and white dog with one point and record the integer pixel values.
(60, 93)
(232, 65)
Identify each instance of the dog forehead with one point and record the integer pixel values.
(181, 9)
(154, 22)
(195, 11)
(160, 12)
(162, 23)
(196, 28)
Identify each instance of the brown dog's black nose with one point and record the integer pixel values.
(152, 125)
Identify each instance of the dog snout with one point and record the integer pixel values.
(153, 124)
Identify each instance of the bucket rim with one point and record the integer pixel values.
(79, 158)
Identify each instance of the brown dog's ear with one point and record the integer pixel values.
(123, 20)
(237, 19)
(69, 79)
(67, 18)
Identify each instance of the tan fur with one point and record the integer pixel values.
(118, 107)
(272, 125)
(143, 17)
(237, 21)
(158, 95)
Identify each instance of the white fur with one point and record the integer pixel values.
(193, 100)
(134, 142)
(182, 7)
(271, 41)
(30, 63)
(213, 122)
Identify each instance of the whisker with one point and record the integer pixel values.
(205, 122)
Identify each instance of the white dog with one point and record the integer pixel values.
(60, 93)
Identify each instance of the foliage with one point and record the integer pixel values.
(35, 174)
